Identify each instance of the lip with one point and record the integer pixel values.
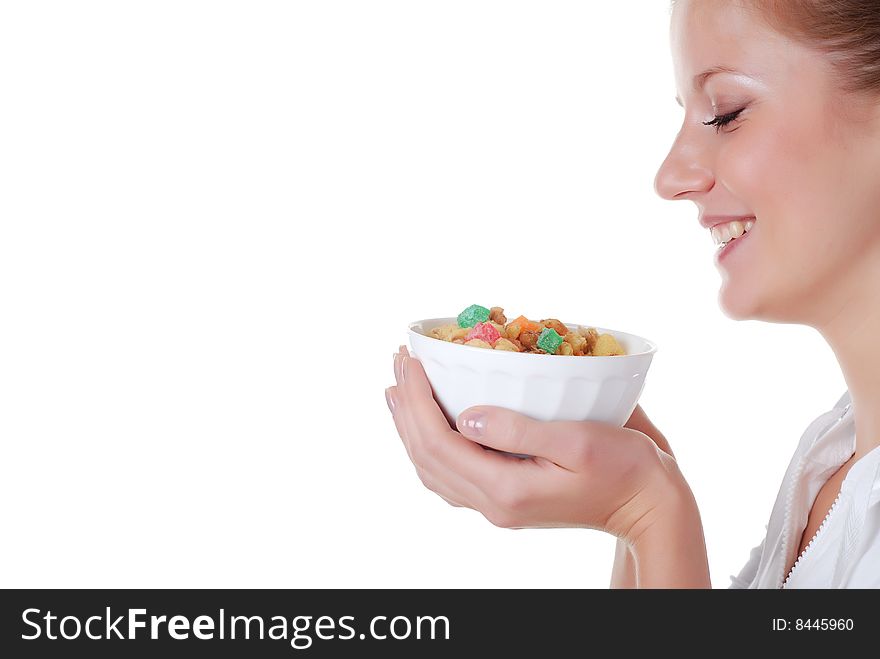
(710, 221)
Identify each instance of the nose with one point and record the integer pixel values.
(684, 171)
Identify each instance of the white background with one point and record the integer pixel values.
(217, 220)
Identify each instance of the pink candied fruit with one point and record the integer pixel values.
(484, 331)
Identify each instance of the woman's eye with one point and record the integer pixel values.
(722, 120)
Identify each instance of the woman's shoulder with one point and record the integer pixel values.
(844, 402)
(817, 436)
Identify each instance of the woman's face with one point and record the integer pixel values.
(800, 158)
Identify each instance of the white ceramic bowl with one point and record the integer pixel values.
(544, 387)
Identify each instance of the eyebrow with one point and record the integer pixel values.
(701, 78)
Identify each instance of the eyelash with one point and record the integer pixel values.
(722, 120)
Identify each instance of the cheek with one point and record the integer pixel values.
(767, 170)
(792, 178)
(815, 196)
(761, 171)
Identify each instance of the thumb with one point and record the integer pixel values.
(506, 430)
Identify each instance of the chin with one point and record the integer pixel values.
(735, 313)
(739, 304)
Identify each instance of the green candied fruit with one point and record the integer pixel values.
(472, 315)
(549, 341)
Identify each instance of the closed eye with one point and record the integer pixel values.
(723, 120)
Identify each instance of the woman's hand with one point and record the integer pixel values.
(583, 474)
(638, 420)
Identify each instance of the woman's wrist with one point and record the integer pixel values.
(623, 571)
(668, 545)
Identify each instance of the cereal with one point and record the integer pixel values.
(487, 328)
(502, 330)
(472, 315)
(526, 324)
(607, 346)
(577, 342)
(549, 340)
(449, 332)
(459, 332)
(529, 339)
(484, 331)
(591, 335)
(496, 315)
(554, 324)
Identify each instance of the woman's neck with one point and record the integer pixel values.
(852, 329)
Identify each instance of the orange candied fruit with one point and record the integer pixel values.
(525, 324)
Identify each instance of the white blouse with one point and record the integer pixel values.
(845, 552)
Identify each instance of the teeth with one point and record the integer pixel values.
(724, 233)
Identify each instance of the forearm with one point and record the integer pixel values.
(623, 573)
(670, 552)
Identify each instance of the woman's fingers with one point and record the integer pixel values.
(561, 442)
(445, 462)
(446, 485)
(430, 429)
(416, 389)
(392, 397)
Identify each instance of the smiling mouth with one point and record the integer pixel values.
(724, 234)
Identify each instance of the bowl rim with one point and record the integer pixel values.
(652, 346)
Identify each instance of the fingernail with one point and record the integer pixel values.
(390, 400)
(403, 362)
(397, 366)
(473, 424)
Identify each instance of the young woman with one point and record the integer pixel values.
(780, 152)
